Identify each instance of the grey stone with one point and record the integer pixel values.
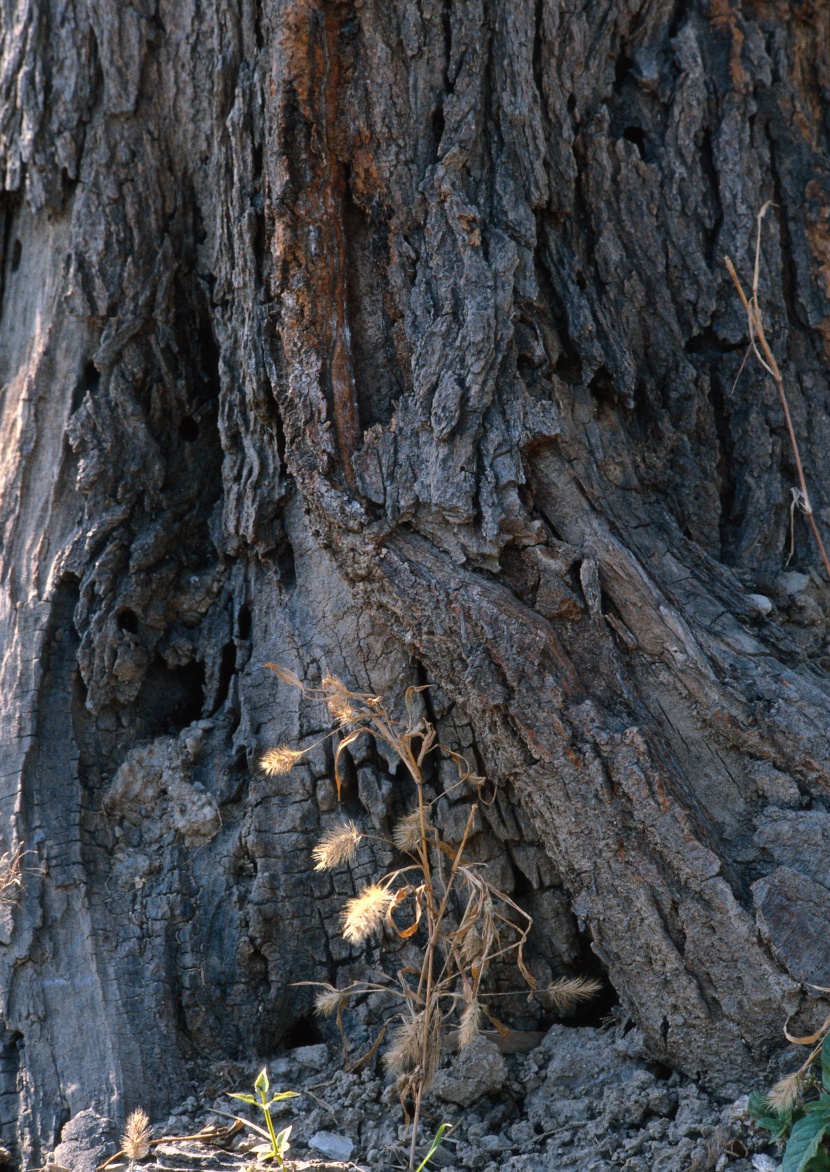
(328, 1143)
(478, 1070)
(86, 1140)
(761, 603)
(301, 1059)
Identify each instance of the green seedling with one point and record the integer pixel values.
(438, 1139)
(278, 1143)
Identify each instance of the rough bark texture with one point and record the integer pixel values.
(394, 339)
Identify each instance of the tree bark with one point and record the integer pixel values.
(395, 340)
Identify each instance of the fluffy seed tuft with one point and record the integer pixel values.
(407, 833)
(470, 1024)
(337, 846)
(327, 1001)
(567, 992)
(785, 1093)
(364, 914)
(405, 1050)
(137, 1135)
(341, 709)
(279, 760)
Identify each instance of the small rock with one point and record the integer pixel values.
(761, 603)
(478, 1070)
(303, 1058)
(336, 1147)
(310, 1057)
(793, 583)
(85, 1141)
(764, 1163)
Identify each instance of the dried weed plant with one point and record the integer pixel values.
(797, 1108)
(11, 874)
(440, 900)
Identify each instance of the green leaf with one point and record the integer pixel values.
(765, 1117)
(758, 1105)
(262, 1083)
(825, 1063)
(282, 1140)
(820, 1162)
(819, 1107)
(436, 1143)
(245, 1099)
(806, 1135)
(280, 1095)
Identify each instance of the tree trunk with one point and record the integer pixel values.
(395, 340)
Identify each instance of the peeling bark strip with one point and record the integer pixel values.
(393, 340)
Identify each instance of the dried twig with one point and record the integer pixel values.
(762, 351)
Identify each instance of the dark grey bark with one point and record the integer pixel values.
(394, 339)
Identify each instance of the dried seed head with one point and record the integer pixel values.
(338, 699)
(137, 1135)
(407, 833)
(784, 1095)
(327, 1001)
(432, 1050)
(364, 914)
(471, 946)
(470, 1024)
(405, 1050)
(279, 760)
(341, 709)
(337, 846)
(567, 992)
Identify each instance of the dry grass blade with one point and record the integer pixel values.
(280, 760)
(365, 914)
(135, 1141)
(286, 675)
(337, 846)
(566, 993)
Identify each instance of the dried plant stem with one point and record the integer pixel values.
(767, 359)
(428, 970)
(455, 955)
